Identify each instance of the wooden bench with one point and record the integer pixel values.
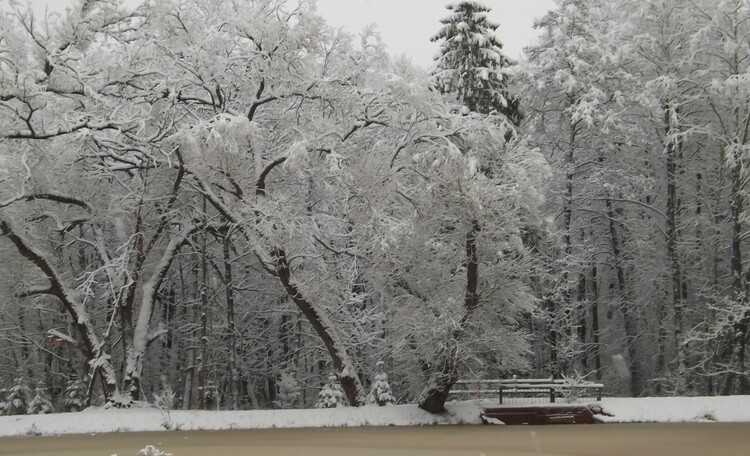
(550, 414)
(545, 388)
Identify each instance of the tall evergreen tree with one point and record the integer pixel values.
(471, 63)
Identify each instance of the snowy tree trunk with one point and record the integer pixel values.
(439, 386)
(91, 346)
(442, 380)
(231, 336)
(323, 327)
(629, 321)
(595, 324)
(734, 383)
(134, 361)
(203, 357)
(673, 149)
(341, 362)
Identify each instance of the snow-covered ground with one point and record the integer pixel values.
(617, 410)
(94, 420)
(676, 409)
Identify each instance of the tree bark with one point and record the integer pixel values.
(341, 362)
(134, 361)
(446, 375)
(92, 348)
(672, 147)
(231, 331)
(629, 321)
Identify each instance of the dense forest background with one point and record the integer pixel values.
(230, 205)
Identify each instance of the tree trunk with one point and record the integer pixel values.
(446, 375)
(187, 392)
(341, 362)
(629, 321)
(91, 347)
(203, 357)
(595, 324)
(672, 147)
(340, 358)
(231, 332)
(134, 361)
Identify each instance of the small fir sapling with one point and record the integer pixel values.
(3, 402)
(42, 403)
(18, 398)
(331, 395)
(74, 399)
(380, 391)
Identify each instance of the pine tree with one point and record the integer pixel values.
(17, 402)
(75, 395)
(41, 404)
(471, 63)
(3, 402)
(331, 395)
(380, 391)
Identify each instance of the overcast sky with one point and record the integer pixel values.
(407, 25)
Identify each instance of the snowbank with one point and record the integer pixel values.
(94, 420)
(617, 410)
(676, 409)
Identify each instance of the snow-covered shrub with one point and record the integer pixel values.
(331, 395)
(41, 403)
(572, 395)
(289, 391)
(164, 400)
(74, 398)
(380, 391)
(151, 450)
(706, 417)
(18, 398)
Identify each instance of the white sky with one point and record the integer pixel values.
(407, 25)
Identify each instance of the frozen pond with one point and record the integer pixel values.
(601, 440)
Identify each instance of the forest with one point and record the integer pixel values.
(232, 205)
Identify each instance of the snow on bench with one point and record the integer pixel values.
(547, 389)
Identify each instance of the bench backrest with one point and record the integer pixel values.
(528, 388)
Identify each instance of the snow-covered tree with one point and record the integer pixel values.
(380, 390)
(19, 395)
(243, 173)
(3, 401)
(74, 397)
(41, 403)
(289, 390)
(331, 396)
(471, 64)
